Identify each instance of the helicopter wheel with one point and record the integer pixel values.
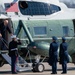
(38, 68)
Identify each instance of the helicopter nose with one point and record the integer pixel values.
(39, 48)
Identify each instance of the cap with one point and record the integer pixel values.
(63, 38)
(13, 36)
(54, 38)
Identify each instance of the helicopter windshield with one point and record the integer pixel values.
(39, 8)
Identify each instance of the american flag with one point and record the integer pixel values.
(12, 7)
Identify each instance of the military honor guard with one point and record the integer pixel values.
(63, 54)
(53, 55)
(13, 52)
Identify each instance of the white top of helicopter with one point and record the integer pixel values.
(8, 1)
(56, 2)
(65, 13)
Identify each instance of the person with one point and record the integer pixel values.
(63, 54)
(53, 55)
(13, 53)
(3, 28)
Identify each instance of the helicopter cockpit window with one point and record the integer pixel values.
(54, 8)
(39, 8)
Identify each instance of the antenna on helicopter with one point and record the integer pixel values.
(23, 4)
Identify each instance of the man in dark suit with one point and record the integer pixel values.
(53, 55)
(3, 28)
(63, 54)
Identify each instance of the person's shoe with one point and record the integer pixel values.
(63, 73)
(14, 72)
(54, 73)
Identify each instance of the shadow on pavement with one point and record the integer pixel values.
(5, 72)
(9, 72)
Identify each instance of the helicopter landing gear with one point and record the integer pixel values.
(38, 67)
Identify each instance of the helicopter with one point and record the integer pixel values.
(36, 21)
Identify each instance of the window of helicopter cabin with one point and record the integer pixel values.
(65, 31)
(39, 8)
(54, 8)
(40, 31)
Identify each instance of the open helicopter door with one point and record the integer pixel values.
(2, 18)
(21, 65)
(7, 35)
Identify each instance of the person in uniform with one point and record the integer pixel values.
(53, 55)
(63, 54)
(13, 52)
(3, 28)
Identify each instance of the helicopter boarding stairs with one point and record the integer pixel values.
(21, 65)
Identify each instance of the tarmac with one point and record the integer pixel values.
(6, 70)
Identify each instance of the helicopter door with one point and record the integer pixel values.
(74, 24)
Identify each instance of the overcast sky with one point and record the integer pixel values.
(67, 0)
(69, 3)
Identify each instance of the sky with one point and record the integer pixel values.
(67, 0)
(69, 3)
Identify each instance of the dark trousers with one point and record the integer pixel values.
(64, 66)
(4, 36)
(13, 63)
(54, 67)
